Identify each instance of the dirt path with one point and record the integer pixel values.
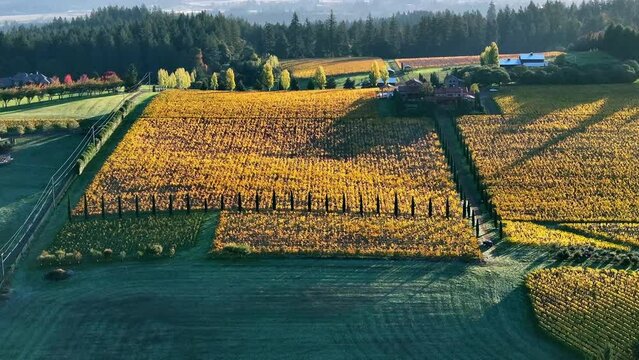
(487, 229)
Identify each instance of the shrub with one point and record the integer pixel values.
(96, 254)
(235, 250)
(155, 249)
(107, 253)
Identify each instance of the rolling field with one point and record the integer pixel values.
(289, 145)
(450, 61)
(58, 111)
(562, 160)
(305, 68)
(595, 311)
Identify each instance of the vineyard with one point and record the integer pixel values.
(594, 311)
(567, 160)
(329, 152)
(305, 68)
(449, 61)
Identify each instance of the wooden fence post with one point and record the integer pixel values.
(188, 203)
(274, 201)
(477, 229)
(222, 202)
(239, 202)
(378, 205)
(292, 200)
(472, 216)
(86, 207)
(120, 206)
(102, 207)
(396, 207)
(257, 201)
(309, 201)
(343, 203)
(137, 206)
(326, 203)
(464, 209)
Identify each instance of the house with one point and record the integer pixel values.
(452, 81)
(453, 94)
(527, 60)
(391, 72)
(406, 67)
(22, 79)
(391, 81)
(412, 89)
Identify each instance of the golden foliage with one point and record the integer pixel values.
(347, 235)
(574, 162)
(595, 311)
(529, 233)
(305, 68)
(214, 144)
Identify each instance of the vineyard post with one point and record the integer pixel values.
(477, 229)
(257, 201)
(378, 206)
(137, 206)
(222, 202)
(273, 201)
(495, 216)
(472, 216)
(326, 203)
(309, 202)
(430, 207)
(188, 203)
(464, 209)
(361, 205)
(102, 206)
(447, 208)
(153, 204)
(292, 200)
(343, 203)
(206, 205)
(239, 202)
(69, 208)
(396, 206)
(86, 207)
(412, 206)
(170, 205)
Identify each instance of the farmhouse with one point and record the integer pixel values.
(391, 81)
(528, 60)
(453, 93)
(452, 81)
(411, 89)
(22, 79)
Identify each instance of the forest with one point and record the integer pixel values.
(113, 38)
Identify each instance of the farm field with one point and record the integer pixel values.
(449, 61)
(22, 181)
(305, 68)
(594, 311)
(59, 111)
(562, 160)
(287, 144)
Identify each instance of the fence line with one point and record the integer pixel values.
(13, 249)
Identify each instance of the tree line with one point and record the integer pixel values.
(114, 38)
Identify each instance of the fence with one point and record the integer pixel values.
(13, 249)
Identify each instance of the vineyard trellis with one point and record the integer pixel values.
(13, 249)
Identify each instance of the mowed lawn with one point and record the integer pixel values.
(36, 157)
(74, 108)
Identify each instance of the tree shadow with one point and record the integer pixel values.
(47, 103)
(358, 132)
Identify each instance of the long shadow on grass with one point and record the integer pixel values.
(46, 103)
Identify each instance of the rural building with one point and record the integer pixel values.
(412, 89)
(453, 93)
(22, 79)
(452, 81)
(528, 60)
(391, 81)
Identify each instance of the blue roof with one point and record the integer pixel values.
(509, 62)
(532, 56)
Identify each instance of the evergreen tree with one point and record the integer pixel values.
(434, 80)
(331, 83)
(349, 84)
(295, 85)
(131, 76)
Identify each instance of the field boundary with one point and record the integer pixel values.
(12, 250)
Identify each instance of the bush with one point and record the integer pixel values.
(107, 253)
(155, 249)
(235, 250)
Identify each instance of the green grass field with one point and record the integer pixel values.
(590, 58)
(74, 108)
